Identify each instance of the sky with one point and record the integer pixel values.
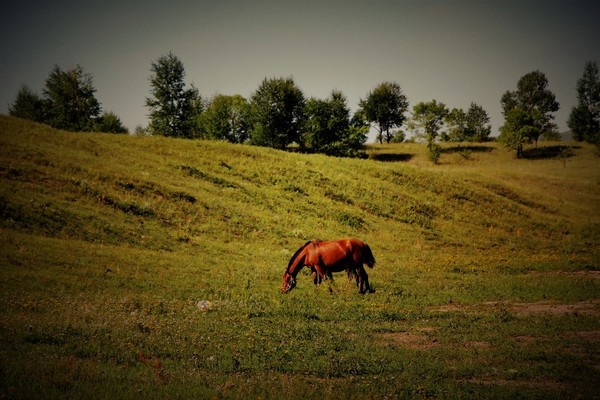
(454, 51)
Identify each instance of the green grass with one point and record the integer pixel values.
(109, 242)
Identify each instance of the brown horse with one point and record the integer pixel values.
(324, 258)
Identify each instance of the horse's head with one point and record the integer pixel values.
(289, 282)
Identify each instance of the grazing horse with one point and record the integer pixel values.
(324, 258)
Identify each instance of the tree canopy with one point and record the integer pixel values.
(519, 128)
(109, 122)
(527, 111)
(277, 113)
(478, 128)
(328, 128)
(27, 105)
(385, 107)
(173, 108)
(427, 121)
(584, 119)
(428, 118)
(226, 118)
(70, 101)
(534, 99)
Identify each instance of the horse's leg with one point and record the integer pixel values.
(328, 276)
(317, 274)
(364, 280)
(351, 271)
(316, 277)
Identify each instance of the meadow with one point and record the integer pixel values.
(150, 267)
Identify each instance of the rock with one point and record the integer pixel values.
(205, 305)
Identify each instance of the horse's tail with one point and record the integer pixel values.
(367, 256)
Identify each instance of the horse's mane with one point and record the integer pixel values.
(313, 241)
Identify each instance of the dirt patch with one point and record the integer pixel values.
(543, 383)
(590, 308)
(572, 274)
(587, 307)
(453, 307)
(477, 345)
(591, 336)
(450, 308)
(409, 340)
(525, 339)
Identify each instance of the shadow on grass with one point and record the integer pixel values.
(545, 152)
(402, 157)
(469, 148)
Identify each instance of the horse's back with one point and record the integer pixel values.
(343, 249)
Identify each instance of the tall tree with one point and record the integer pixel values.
(427, 120)
(533, 98)
(70, 101)
(173, 108)
(327, 122)
(456, 121)
(584, 119)
(385, 107)
(27, 105)
(467, 126)
(226, 118)
(518, 130)
(478, 129)
(277, 113)
(328, 128)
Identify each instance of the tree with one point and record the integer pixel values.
(359, 131)
(476, 119)
(140, 130)
(277, 113)
(109, 122)
(427, 120)
(326, 123)
(226, 118)
(70, 102)
(518, 130)
(328, 128)
(456, 121)
(173, 108)
(467, 126)
(584, 120)
(27, 105)
(533, 98)
(385, 107)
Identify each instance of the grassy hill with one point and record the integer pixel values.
(152, 266)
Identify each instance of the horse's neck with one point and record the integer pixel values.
(296, 265)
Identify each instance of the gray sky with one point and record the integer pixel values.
(456, 52)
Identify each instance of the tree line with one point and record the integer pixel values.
(278, 114)
(68, 102)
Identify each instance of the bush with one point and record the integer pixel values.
(435, 151)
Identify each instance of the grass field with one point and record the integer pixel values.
(148, 267)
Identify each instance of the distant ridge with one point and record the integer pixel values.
(566, 136)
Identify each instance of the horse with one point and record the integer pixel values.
(324, 258)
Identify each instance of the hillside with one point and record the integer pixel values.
(110, 241)
(159, 193)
